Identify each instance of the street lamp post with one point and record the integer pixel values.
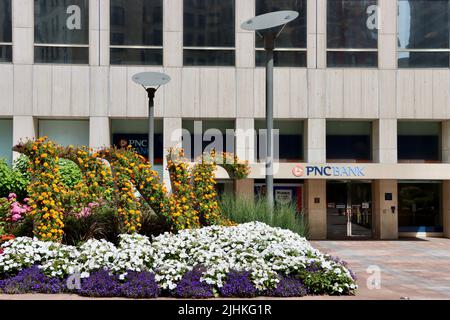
(150, 80)
(269, 26)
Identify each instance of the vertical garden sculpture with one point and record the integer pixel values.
(121, 176)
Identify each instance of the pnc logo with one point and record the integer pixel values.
(298, 171)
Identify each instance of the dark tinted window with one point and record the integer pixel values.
(291, 40)
(352, 24)
(211, 134)
(5, 21)
(294, 34)
(349, 141)
(290, 140)
(419, 141)
(139, 23)
(71, 55)
(423, 25)
(419, 207)
(61, 22)
(209, 24)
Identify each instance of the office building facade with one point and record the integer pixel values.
(361, 96)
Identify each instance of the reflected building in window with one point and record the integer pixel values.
(136, 34)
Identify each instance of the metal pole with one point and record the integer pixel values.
(269, 45)
(151, 124)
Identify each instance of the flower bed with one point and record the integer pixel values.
(240, 261)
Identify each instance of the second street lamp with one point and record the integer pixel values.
(151, 81)
(269, 26)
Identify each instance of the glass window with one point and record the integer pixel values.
(207, 135)
(209, 27)
(6, 139)
(419, 205)
(136, 33)
(419, 141)
(290, 48)
(5, 31)
(290, 140)
(423, 33)
(349, 141)
(352, 33)
(65, 132)
(61, 31)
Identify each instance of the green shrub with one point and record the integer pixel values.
(69, 171)
(242, 210)
(12, 181)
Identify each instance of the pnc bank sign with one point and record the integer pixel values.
(327, 171)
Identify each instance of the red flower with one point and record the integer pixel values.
(7, 237)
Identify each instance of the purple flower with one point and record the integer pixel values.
(289, 287)
(32, 280)
(238, 284)
(190, 285)
(140, 285)
(100, 284)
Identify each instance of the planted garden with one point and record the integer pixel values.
(102, 224)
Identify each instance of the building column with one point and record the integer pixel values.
(99, 132)
(446, 207)
(23, 31)
(385, 209)
(315, 140)
(245, 150)
(384, 145)
(172, 139)
(24, 128)
(446, 183)
(173, 33)
(321, 27)
(316, 208)
(387, 34)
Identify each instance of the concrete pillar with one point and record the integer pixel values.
(99, 132)
(387, 34)
(173, 33)
(385, 222)
(245, 150)
(315, 140)
(384, 144)
(172, 139)
(23, 31)
(446, 207)
(24, 128)
(311, 19)
(245, 40)
(321, 25)
(446, 141)
(316, 208)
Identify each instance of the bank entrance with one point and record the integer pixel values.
(349, 209)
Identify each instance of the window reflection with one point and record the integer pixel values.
(61, 22)
(352, 24)
(209, 24)
(293, 36)
(423, 27)
(136, 34)
(5, 21)
(61, 31)
(5, 31)
(352, 33)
